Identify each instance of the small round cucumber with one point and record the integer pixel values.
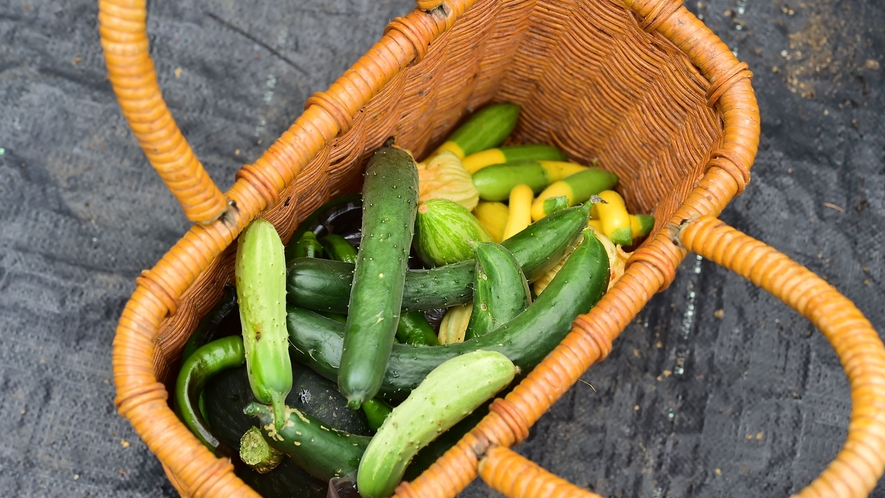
(444, 230)
(448, 394)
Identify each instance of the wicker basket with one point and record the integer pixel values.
(641, 84)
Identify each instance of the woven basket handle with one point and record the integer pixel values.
(859, 465)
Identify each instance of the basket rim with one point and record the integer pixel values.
(142, 399)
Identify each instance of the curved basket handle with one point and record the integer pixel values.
(859, 465)
(123, 28)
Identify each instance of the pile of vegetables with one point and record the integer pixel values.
(366, 347)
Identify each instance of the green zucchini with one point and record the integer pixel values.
(390, 198)
(444, 230)
(484, 129)
(261, 291)
(449, 393)
(512, 153)
(495, 182)
(500, 290)
(322, 451)
(323, 285)
(317, 341)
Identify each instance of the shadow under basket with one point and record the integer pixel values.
(642, 85)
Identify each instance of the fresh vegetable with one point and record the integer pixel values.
(642, 225)
(513, 153)
(443, 177)
(207, 361)
(444, 230)
(500, 290)
(519, 212)
(486, 128)
(453, 327)
(338, 248)
(317, 341)
(492, 215)
(324, 285)
(577, 188)
(256, 453)
(413, 328)
(332, 217)
(612, 212)
(494, 183)
(554, 204)
(307, 247)
(376, 411)
(210, 324)
(261, 291)
(451, 391)
(322, 451)
(390, 197)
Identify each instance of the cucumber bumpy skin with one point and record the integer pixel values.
(449, 393)
(261, 291)
(390, 199)
(323, 285)
(322, 451)
(526, 339)
(500, 290)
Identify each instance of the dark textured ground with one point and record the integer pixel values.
(715, 390)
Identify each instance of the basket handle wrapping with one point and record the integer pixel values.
(853, 473)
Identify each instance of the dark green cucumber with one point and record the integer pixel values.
(484, 129)
(323, 285)
(526, 340)
(338, 248)
(390, 199)
(324, 452)
(413, 328)
(228, 392)
(500, 290)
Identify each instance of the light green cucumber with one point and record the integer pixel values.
(444, 230)
(260, 275)
(448, 394)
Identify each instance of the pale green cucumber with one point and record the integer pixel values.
(260, 274)
(444, 230)
(448, 394)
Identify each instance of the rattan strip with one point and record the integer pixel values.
(859, 465)
(131, 72)
(519, 477)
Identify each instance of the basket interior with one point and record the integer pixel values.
(589, 79)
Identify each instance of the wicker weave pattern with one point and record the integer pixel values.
(642, 85)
